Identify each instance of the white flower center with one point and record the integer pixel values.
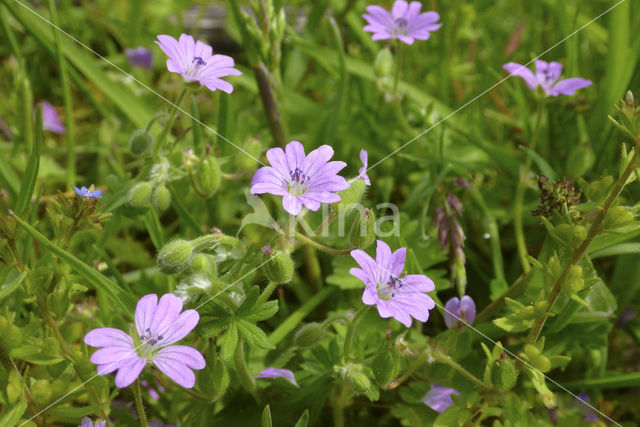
(150, 344)
(387, 291)
(196, 63)
(297, 186)
(401, 26)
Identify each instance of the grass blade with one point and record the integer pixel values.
(31, 174)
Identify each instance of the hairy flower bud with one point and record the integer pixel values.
(205, 176)
(140, 143)
(140, 194)
(174, 257)
(247, 160)
(386, 364)
(574, 278)
(161, 198)
(309, 335)
(383, 63)
(349, 198)
(279, 268)
(504, 374)
(201, 264)
(363, 229)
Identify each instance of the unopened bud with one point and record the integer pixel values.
(140, 142)
(386, 364)
(359, 381)
(350, 197)
(279, 267)
(383, 63)
(574, 278)
(161, 198)
(174, 257)
(248, 159)
(629, 99)
(206, 176)
(41, 391)
(363, 229)
(140, 194)
(309, 335)
(504, 374)
(201, 264)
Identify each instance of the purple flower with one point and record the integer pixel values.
(152, 391)
(278, 373)
(196, 63)
(159, 324)
(458, 310)
(582, 402)
(140, 57)
(405, 22)
(88, 193)
(50, 119)
(394, 297)
(86, 422)
(364, 158)
(439, 397)
(546, 76)
(301, 180)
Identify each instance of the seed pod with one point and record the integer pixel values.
(309, 335)
(504, 374)
(383, 63)
(350, 197)
(174, 257)
(279, 268)
(386, 364)
(206, 176)
(161, 198)
(140, 143)
(140, 194)
(363, 229)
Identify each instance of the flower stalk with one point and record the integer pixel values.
(137, 393)
(349, 339)
(169, 123)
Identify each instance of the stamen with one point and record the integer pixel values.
(198, 61)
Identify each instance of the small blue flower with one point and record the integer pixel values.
(88, 193)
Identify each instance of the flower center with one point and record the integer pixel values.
(401, 26)
(387, 291)
(549, 78)
(198, 61)
(299, 182)
(149, 342)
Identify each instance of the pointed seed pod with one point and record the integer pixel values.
(175, 257)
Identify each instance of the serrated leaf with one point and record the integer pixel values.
(512, 323)
(249, 302)
(263, 311)
(228, 341)
(253, 335)
(11, 417)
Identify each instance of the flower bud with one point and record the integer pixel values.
(386, 364)
(504, 374)
(206, 176)
(359, 381)
(383, 63)
(140, 194)
(161, 198)
(309, 335)
(363, 229)
(536, 359)
(201, 264)
(10, 337)
(629, 99)
(174, 257)
(247, 160)
(279, 267)
(350, 197)
(140, 142)
(574, 278)
(41, 392)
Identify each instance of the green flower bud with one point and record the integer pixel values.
(175, 257)
(161, 198)
(140, 143)
(383, 63)
(11, 336)
(247, 160)
(359, 381)
(504, 374)
(201, 264)
(140, 194)
(363, 229)
(617, 216)
(386, 364)
(279, 268)
(41, 392)
(536, 358)
(205, 176)
(574, 278)
(309, 335)
(350, 197)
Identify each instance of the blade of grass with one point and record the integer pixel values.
(152, 223)
(31, 173)
(198, 149)
(631, 379)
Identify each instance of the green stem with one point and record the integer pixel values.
(66, 94)
(349, 339)
(520, 189)
(443, 358)
(169, 123)
(312, 268)
(320, 246)
(337, 407)
(137, 393)
(266, 293)
(514, 290)
(584, 246)
(396, 78)
(242, 370)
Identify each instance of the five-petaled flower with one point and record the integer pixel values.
(458, 312)
(159, 324)
(196, 63)
(88, 193)
(405, 22)
(400, 298)
(546, 77)
(439, 397)
(301, 180)
(362, 172)
(278, 373)
(50, 119)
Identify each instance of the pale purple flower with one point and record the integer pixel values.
(405, 22)
(152, 391)
(278, 373)
(400, 298)
(158, 324)
(458, 310)
(50, 119)
(439, 397)
(301, 180)
(582, 402)
(364, 158)
(86, 422)
(140, 57)
(196, 63)
(546, 76)
(88, 193)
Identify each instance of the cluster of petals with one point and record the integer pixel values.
(87, 193)
(404, 22)
(140, 57)
(196, 62)
(400, 298)
(300, 179)
(50, 119)
(547, 77)
(459, 311)
(439, 397)
(278, 373)
(159, 324)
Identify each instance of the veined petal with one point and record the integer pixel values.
(399, 9)
(145, 309)
(177, 363)
(384, 257)
(181, 327)
(278, 161)
(128, 372)
(521, 71)
(569, 86)
(418, 283)
(105, 337)
(294, 151)
(113, 354)
(317, 160)
(397, 261)
(167, 312)
(291, 204)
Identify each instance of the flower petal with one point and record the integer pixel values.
(145, 309)
(105, 337)
(569, 86)
(291, 204)
(128, 372)
(521, 71)
(181, 327)
(177, 363)
(112, 354)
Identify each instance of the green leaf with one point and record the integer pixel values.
(263, 311)
(303, 420)
(12, 416)
(74, 413)
(266, 417)
(229, 341)
(253, 335)
(31, 173)
(513, 323)
(11, 285)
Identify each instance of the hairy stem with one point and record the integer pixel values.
(242, 370)
(266, 293)
(137, 393)
(269, 103)
(169, 123)
(349, 339)
(320, 246)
